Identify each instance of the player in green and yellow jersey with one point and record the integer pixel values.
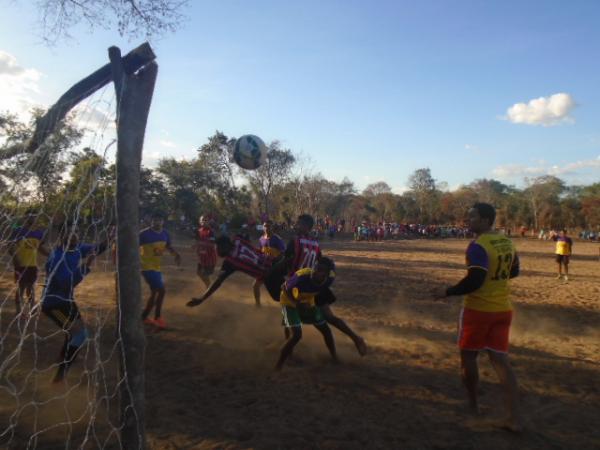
(298, 306)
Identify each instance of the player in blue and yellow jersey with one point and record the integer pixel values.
(564, 249)
(298, 306)
(272, 246)
(487, 311)
(303, 251)
(66, 267)
(154, 241)
(26, 243)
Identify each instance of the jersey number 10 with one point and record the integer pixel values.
(309, 259)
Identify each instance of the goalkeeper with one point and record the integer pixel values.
(66, 267)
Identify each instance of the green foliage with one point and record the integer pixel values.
(45, 167)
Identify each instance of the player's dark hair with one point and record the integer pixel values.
(326, 262)
(486, 211)
(307, 220)
(157, 215)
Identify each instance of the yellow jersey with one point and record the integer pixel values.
(495, 254)
(303, 288)
(152, 246)
(563, 245)
(26, 244)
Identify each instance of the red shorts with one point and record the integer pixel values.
(479, 330)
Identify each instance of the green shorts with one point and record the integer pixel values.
(295, 317)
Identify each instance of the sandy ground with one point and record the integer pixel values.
(210, 378)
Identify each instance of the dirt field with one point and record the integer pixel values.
(210, 378)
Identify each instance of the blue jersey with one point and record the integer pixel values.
(64, 271)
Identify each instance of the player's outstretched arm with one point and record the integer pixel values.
(176, 255)
(215, 285)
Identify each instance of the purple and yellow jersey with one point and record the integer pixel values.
(563, 245)
(496, 255)
(273, 246)
(303, 288)
(27, 243)
(152, 247)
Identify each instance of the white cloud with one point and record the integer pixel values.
(93, 118)
(399, 190)
(545, 111)
(167, 143)
(19, 89)
(518, 171)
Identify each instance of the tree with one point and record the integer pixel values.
(132, 18)
(590, 205)
(273, 173)
(423, 188)
(154, 195)
(47, 164)
(374, 189)
(215, 156)
(543, 194)
(89, 193)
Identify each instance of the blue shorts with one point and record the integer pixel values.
(154, 279)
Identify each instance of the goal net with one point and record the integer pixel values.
(59, 345)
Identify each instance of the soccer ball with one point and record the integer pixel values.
(249, 152)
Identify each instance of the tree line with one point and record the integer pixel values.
(64, 178)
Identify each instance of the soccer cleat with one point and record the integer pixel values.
(559, 276)
(149, 321)
(566, 277)
(160, 323)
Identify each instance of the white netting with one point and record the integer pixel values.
(82, 411)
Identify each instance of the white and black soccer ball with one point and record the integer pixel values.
(249, 152)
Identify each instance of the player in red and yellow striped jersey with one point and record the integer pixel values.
(206, 251)
(240, 255)
(487, 313)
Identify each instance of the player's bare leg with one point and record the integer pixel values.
(470, 377)
(559, 266)
(509, 383)
(256, 290)
(329, 341)
(160, 296)
(30, 292)
(335, 321)
(205, 278)
(149, 305)
(18, 299)
(76, 335)
(295, 334)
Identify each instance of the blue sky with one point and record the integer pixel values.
(368, 90)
